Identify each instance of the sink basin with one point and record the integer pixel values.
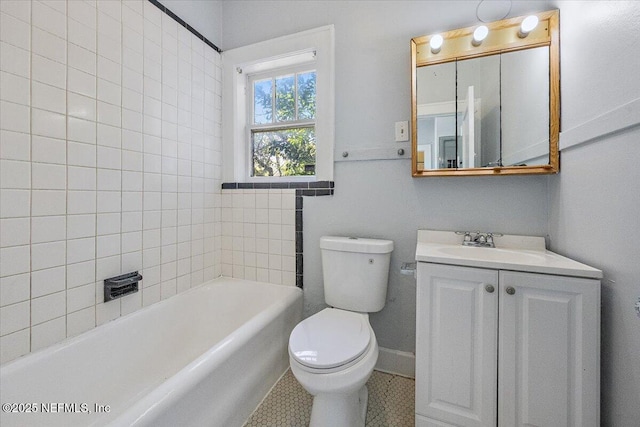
(493, 254)
(515, 253)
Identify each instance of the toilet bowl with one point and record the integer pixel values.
(332, 355)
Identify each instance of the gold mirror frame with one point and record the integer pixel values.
(503, 37)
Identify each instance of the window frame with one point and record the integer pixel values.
(282, 52)
(251, 127)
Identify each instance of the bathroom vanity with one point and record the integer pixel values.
(505, 336)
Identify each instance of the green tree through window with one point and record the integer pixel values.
(283, 131)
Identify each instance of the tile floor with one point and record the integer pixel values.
(391, 403)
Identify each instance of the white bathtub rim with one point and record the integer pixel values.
(170, 390)
(16, 364)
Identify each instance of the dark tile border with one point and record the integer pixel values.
(319, 185)
(180, 21)
(303, 189)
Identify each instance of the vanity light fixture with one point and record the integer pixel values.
(479, 35)
(436, 43)
(528, 24)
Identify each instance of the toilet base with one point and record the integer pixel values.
(339, 409)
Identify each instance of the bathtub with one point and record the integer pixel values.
(206, 357)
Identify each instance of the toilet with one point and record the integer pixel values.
(333, 352)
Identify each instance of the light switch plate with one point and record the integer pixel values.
(402, 131)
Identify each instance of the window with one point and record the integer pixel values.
(278, 109)
(282, 122)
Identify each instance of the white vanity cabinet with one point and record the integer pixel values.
(506, 348)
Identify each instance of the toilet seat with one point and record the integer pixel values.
(330, 339)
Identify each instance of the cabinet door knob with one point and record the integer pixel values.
(511, 290)
(489, 288)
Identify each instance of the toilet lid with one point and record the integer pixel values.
(330, 338)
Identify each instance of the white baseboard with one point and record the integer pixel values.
(396, 362)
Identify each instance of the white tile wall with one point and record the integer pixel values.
(258, 235)
(109, 163)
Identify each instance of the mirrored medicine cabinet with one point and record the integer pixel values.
(489, 106)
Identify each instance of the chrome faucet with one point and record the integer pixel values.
(480, 240)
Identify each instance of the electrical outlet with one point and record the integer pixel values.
(402, 131)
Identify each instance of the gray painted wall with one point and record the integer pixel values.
(594, 203)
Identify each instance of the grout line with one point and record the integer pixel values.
(66, 169)
(120, 148)
(31, 172)
(95, 214)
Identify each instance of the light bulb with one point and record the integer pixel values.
(529, 23)
(436, 43)
(479, 34)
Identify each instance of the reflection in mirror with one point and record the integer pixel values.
(478, 86)
(490, 107)
(437, 116)
(525, 107)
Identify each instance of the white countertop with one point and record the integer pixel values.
(516, 253)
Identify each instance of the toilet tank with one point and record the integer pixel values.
(356, 272)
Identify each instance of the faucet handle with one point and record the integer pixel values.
(490, 237)
(467, 235)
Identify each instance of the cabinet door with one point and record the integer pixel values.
(549, 350)
(456, 346)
